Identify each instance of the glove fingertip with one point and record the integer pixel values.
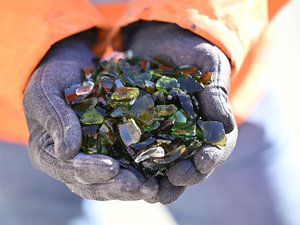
(167, 192)
(184, 173)
(149, 188)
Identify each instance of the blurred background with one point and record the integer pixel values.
(259, 184)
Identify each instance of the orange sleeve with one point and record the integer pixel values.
(27, 30)
(234, 26)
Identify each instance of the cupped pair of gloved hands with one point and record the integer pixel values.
(55, 132)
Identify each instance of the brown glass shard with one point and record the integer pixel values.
(206, 78)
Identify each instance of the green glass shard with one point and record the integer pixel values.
(154, 126)
(90, 143)
(102, 148)
(180, 117)
(125, 94)
(91, 116)
(122, 104)
(165, 84)
(199, 134)
(184, 129)
(106, 133)
(166, 110)
(143, 110)
(81, 107)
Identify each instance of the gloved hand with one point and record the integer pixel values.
(55, 131)
(184, 47)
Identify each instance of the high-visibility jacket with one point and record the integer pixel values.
(29, 28)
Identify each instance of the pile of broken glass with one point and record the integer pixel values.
(143, 113)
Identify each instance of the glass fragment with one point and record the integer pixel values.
(91, 116)
(143, 110)
(165, 84)
(125, 93)
(206, 78)
(156, 152)
(149, 141)
(213, 132)
(166, 110)
(129, 132)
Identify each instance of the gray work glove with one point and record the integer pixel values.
(55, 131)
(184, 47)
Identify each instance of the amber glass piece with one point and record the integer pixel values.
(125, 94)
(87, 71)
(206, 78)
(188, 69)
(70, 93)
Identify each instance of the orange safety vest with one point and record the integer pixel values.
(29, 28)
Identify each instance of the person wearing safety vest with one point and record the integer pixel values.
(44, 44)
